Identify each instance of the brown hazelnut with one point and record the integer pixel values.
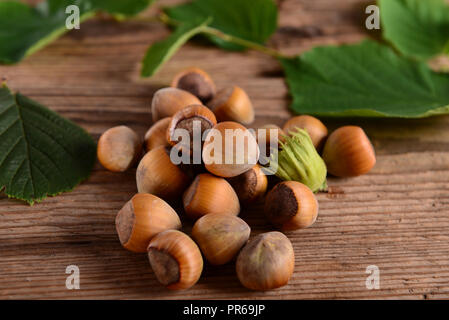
(348, 152)
(314, 127)
(266, 262)
(119, 148)
(291, 205)
(220, 236)
(209, 194)
(167, 101)
(229, 150)
(197, 82)
(232, 104)
(175, 259)
(186, 119)
(265, 134)
(143, 217)
(156, 174)
(250, 185)
(156, 136)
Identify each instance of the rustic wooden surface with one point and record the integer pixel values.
(396, 217)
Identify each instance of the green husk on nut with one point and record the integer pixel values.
(299, 161)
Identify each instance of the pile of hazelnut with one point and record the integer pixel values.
(212, 194)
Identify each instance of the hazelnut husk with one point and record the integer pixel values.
(266, 262)
(156, 174)
(220, 236)
(314, 127)
(348, 152)
(298, 160)
(250, 185)
(232, 104)
(210, 194)
(167, 101)
(143, 217)
(197, 82)
(186, 119)
(156, 136)
(229, 150)
(291, 205)
(175, 259)
(119, 148)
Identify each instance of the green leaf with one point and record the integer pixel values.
(41, 153)
(25, 29)
(417, 28)
(120, 8)
(161, 51)
(252, 20)
(366, 79)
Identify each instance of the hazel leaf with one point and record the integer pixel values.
(160, 52)
(367, 80)
(25, 29)
(417, 28)
(251, 20)
(41, 153)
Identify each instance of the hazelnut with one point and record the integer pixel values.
(156, 136)
(209, 194)
(197, 82)
(167, 101)
(271, 131)
(291, 205)
(156, 174)
(314, 127)
(186, 119)
(348, 152)
(143, 217)
(250, 185)
(220, 236)
(266, 262)
(119, 148)
(265, 134)
(229, 150)
(232, 104)
(175, 259)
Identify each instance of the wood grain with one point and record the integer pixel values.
(396, 217)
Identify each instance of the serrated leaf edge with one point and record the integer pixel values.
(64, 190)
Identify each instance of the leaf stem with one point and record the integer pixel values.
(164, 18)
(227, 37)
(245, 43)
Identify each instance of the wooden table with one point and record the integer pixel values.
(396, 217)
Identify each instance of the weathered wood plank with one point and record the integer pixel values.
(396, 217)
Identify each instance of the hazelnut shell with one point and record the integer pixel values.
(233, 104)
(226, 157)
(291, 205)
(348, 152)
(210, 194)
(250, 185)
(119, 148)
(175, 259)
(143, 217)
(220, 236)
(156, 174)
(197, 82)
(266, 262)
(185, 119)
(314, 127)
(264, 137)
(167, 101)
(156, 136)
